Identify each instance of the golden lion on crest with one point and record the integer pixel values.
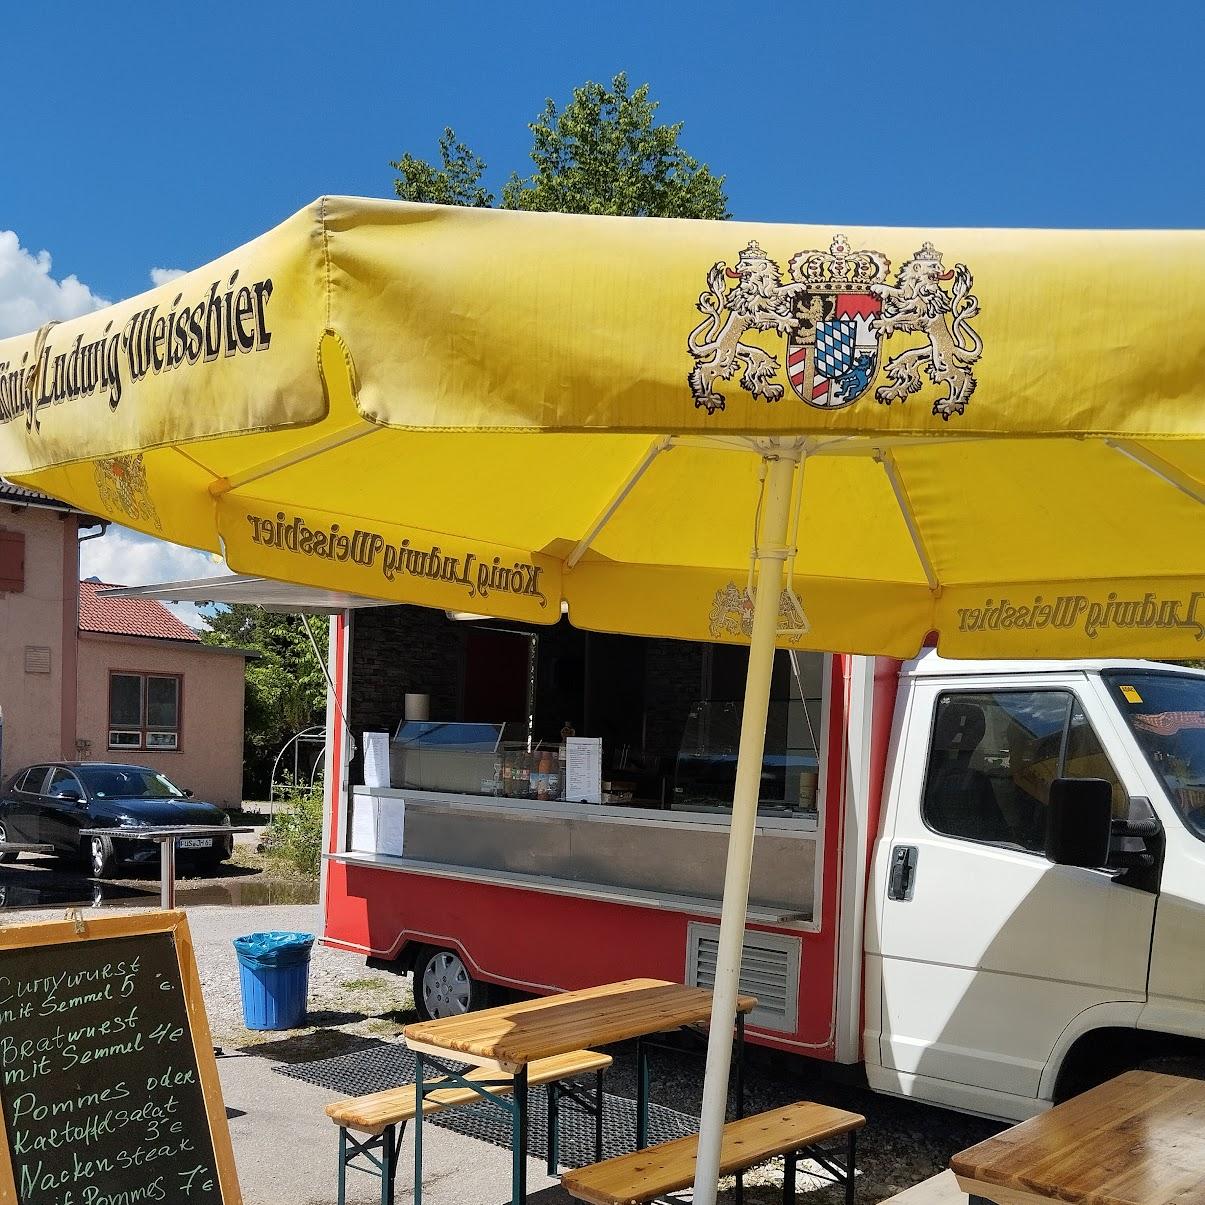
(835, 295)
(917, 304)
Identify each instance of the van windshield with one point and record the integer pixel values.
(1166, 713)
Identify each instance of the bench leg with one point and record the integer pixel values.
(790, 1165)
(398, 1135)
(342, 1166)
(388, 1160)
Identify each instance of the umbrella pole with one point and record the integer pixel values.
(772, 554)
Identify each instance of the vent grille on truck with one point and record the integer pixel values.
(769, 971)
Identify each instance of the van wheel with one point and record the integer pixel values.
(9, 857)
(102, 861)
(443, 986)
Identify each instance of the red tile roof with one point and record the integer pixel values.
(128, 616)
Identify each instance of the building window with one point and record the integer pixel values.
(144, 711)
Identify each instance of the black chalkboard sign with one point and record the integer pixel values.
(108, 1087)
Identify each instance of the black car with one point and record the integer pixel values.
(50, 802)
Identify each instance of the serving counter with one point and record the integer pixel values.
(651, 857)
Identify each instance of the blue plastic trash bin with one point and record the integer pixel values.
(274, 976)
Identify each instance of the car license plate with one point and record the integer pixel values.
(194, 842)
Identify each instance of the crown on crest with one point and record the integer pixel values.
(837, 268)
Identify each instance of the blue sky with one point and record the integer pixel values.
(141, 136)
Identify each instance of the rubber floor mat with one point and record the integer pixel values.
(391, 1065)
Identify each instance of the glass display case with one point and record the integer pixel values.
(705, 773)
(473, 759)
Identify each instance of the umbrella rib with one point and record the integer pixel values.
(887, 459)
(604, 516)
(1161, 468)
(346, 435)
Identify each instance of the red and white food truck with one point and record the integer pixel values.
(903, 912)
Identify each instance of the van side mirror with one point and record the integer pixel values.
(1079, 822)
(188, 792)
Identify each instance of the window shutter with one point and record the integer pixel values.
(37, 659)
(12, 561)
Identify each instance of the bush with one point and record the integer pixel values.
(294, 835)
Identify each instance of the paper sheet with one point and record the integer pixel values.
(391, 826)
(376, 759)
(364, 824)
(583, 769)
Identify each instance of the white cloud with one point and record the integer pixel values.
(29, 293)
(127, 558)
(161, 276)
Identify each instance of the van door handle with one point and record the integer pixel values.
(903, 872)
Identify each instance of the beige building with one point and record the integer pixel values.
(88, 678)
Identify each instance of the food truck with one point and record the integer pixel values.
(552, 814)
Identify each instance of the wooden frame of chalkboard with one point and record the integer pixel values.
(109, 1088)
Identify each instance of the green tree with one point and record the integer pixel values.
(457, 181)
(601, 154)
(286, 686)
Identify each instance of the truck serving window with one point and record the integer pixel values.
(993, 756)
(1166, 713)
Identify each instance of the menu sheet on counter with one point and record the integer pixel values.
(583, 769)
(108, 1085)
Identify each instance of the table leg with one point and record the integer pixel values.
(598, 1116)
(790, 1164)
(554, 1118)
(740, 1064)
(418, 1129)
(167, 873)
(521, 1136)
(851, 1163)
(642, 1095)
(739, 1043)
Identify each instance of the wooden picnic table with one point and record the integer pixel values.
(512, 1036)
(1137, 1140)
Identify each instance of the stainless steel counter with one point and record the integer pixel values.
(606, 849)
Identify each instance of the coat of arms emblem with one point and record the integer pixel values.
(835, 311)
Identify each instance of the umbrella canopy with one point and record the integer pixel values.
(763, 434)
(490, 411)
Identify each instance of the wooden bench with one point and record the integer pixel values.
(382, 1116)
(789, 1131)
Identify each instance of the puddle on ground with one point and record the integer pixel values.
(249, 892)
(36, 888)
(80, 892)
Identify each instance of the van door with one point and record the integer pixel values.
(988, 950)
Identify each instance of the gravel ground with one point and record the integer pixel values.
(351, 1006)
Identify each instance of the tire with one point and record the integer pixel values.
(443, 986)
(10, 857)
(102, 861)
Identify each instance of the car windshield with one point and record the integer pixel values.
(1166, 713)
(127, 782)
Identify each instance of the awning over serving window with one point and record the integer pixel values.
(260, 591)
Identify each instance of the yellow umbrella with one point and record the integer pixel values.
(821, 438)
